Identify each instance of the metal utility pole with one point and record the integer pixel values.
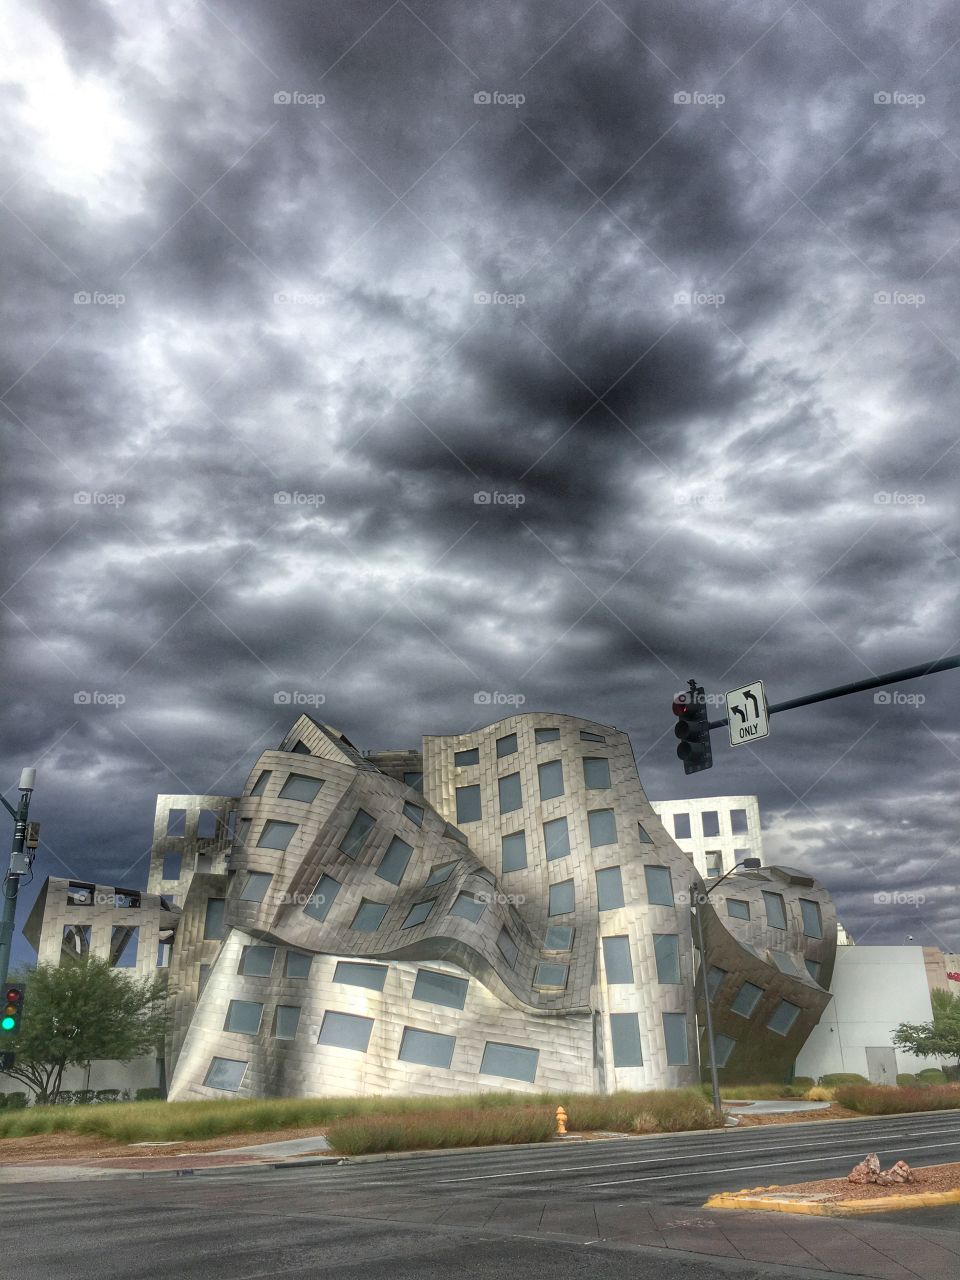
(698, 897)
(20, 863)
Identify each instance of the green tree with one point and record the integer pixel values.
(939, 1038)
(75, 1014)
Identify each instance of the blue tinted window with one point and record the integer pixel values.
(812, 923)
(587, 736)
(616, 960)
(299, 787)
(417, 914)
(257, 961)
(440, 988)
(394, 861)
(625, 1034)
(225, 1073)
(783, 1017)
(213, 921)
(413, 812)
(369, 917)
(739, 909)
(546, 735)
(297, 965)
(596, 772)
(286, 1021)
(681, 826)
(243, 1016)
(813, 968)
(603, 827)
(172, 863)
(675, 1039)
(467, 907)
(322, 898)
(643, 835)
(506, 745)
(468, 804)
(559, 937)
(414, 779)
(666, 949)
(428, 1048)
(276, 835)
(550, 975)
(715, 976)
(561, 900)
(463, 758)
(260, 785)
(439, 874)
(746, 999)
(556, 838)
(659, 886)
(256, 886)
(507, 947)
(509, 1060)
(724, 1047)
(514, 851)
(551, 779)
(776, 914)
(356, 974)
(345, 1031)
(356, 836)
(511, 797)
(609, 889)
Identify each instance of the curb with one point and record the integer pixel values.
(833, 1209)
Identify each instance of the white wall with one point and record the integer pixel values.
(142, 1073)
(874, 989)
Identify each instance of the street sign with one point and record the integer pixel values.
(747, 715)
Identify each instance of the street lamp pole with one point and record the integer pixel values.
(20, 862)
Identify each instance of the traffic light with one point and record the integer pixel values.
(690, 708)
(12, 1013)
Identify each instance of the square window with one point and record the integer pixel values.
(509, 1060)
(513, 849)
(345, 1031)
(738, 821)
(463, 758)
(616, 961)
(356, 837)
(715, 977)
(213, 920)
(556, 838)
(256, 961)
(783, 1017)
(440, 988)
(506, 746)
(225, 1073)
(625, 1034)
(276, 835)
(776, 913)
(394, 862)
(468, 804)
(256, 886)
(643, 834)
(467, 907)
(602, 824)
(427, 1048)
(739, 909)
(507, 947)
(297, 965)
(559, 937)
(551, 975)
(681, 826)
(746, 999)
(439, 874)
(551, 779)
(414, 779)
(299, 786)
(587, 736)
(243, 1016)
(172, 863)
(260, 785)
(710, 822)
(675, 1039)
(666, 950)
(714, 860)
(724, 1046)
(356, 974)
(812, 921)
(813, 968)
(596, 773)
(418, 913)
(659, 886)
(285, 1022)
(546, 735)
(561, 901)
(511, 796)
(369, 917)
(413, 812)
(609, 889)
(322, 898)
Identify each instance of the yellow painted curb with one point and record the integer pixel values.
(832, 1209)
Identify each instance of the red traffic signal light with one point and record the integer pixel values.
(12, 1010)
(689, 706)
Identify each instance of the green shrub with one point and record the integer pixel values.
(13, 1101)
(107, 1095)
(804, 1082)
(931, 1075)
(842, 1077)
(668, 1110)
(905, 1078)
(149, 1095)
(885, 1100)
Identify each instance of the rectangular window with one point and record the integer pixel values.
(813, 968)
(243, 830)
(587, 736)
(124, 940)
(511, 797)
(616, 960)
(418, 913)
(715, 977)
(468, 804)
(213, 920)
(427, 1048)
(561, 901)
(345, 1031)
(207, 824)
(299, 786)
(439, 874)
(551, 975)
(260, 786)
(369, 917)
(625, 1034)
(414, 779)
(256, 961)
(440, 988)
(322, 899)
(551, 779)
(243, 1016)
(786, 964)
(596, 773)
(509, 1060)
(163, 954)
(546, 735)
(556, 838)
(507, 947)
(812, 922)
(413, 812)
(171, 866)
(356, 974)
(506, 746)
(513, 850)
(256, 886)
(681, 826)
(609, 889)
(783, 1017)
(714, 863)
(746, 999)
(285, 1022)
(176, 822)
(276, 835)
(666, 949)
(710, 822)
(297, 965)
(467, 907)
(356, 836)
(463, 758)
(202, 977)
(659, 886)
(603, 827)
(394, 862)
(225, 1073)
(724, 1047)
(675, 1039)
(776, 913)
(738, 821)
(559, 937)
(739, 909)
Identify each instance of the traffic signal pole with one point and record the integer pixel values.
(19, 866)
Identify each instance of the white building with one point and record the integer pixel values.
(717, 831)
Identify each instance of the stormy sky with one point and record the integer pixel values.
(288, 284)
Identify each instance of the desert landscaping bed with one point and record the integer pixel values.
(54, 1148)
(927, 1180)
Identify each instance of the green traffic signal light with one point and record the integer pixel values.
(8, 1023)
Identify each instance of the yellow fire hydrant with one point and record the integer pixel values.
(561, 1122)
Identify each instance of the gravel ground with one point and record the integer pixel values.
(50, 1148)
(933, 1177)
(833, 1112)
